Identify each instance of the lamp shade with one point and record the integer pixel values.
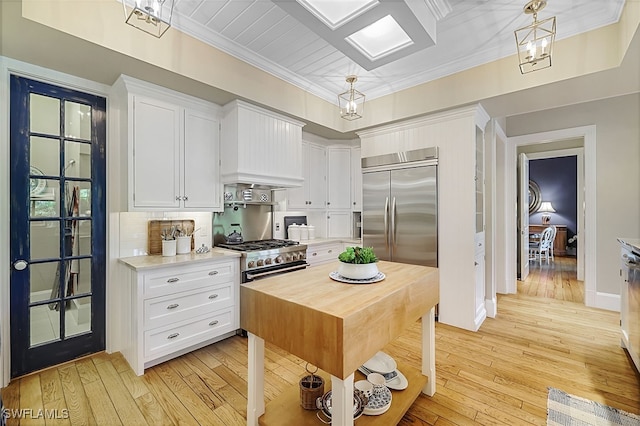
(546, 207)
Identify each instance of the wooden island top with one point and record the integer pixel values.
(334, 325)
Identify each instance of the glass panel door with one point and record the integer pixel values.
(57, 224)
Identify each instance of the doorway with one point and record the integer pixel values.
(586, 248)
(57, 224)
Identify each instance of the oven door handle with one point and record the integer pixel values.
(277, 271)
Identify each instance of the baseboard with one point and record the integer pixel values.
(608, 301)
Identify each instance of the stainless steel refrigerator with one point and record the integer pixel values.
(400, 206)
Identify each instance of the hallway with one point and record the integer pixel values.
(555, 280)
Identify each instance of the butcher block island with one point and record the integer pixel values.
(337, 327)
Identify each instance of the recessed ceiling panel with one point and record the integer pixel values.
(381, 38)
(335, 13)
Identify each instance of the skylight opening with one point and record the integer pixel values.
(380, 39)
(334, 13)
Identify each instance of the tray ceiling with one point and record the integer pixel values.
(284, 38)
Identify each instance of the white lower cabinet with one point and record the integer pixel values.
(176, 309)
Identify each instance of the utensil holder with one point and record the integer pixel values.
(168, 247)
(311, 388)
(184, 245)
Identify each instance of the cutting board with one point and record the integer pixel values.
(155, 227)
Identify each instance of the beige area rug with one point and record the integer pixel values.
(564, 409)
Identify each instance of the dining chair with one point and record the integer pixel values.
(542, 247)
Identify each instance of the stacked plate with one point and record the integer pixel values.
(387, 366)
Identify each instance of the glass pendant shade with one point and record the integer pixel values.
(151, 16)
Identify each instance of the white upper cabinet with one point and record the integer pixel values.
(356, 179)
(201, 160)
(155, 162)
(338, 178)
(312, 193)
(260, 147)
(172, 148)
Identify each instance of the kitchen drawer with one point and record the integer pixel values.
(322, 254)
(184, 305)
(171, 338)
(169, 281)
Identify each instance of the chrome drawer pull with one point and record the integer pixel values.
(213, 296)
(173, 280)
(214, 322)
(213, 273)
(173, 336)
(173, 306)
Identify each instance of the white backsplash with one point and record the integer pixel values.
(133, 233)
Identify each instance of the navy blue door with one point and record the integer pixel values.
(58, 208)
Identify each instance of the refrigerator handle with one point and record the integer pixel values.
(386, 222)
(393, 222)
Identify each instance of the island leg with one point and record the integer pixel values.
(429, 351)
(255, 379)
(342, 401)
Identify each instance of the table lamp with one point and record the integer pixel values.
(546, 207)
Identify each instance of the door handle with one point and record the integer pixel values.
(386, 222)
(20, 265)
(393, 222)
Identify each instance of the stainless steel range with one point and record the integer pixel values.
(265, 258)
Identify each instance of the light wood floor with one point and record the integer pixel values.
(496, 376)
(555, 280)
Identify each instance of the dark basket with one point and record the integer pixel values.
(311, 388)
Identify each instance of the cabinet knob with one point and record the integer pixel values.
(314, 254)
(354, 203)
(173, 336)
(475, 263)
(330, 251)
(173, 280)
(178, 198)
(309, 202)
(214, 322)
(185, 198)
(213, 273)
(328, 203)
(173, 306)
(213, 296)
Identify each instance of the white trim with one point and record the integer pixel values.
(10, 66)
(588, 133)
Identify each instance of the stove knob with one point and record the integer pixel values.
(294, 256)
(288, 257)
(279, 259)
(267, 261)
(260, 262)
(251, 264)
(303, 256)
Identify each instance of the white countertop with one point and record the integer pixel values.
(633, 243)
(157, 261)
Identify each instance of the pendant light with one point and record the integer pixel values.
(351, 102)
(535, 41)
(151, 16)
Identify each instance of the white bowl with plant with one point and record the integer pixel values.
(358, 263)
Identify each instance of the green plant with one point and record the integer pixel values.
(358, 255)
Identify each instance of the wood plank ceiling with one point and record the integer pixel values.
(468, 33)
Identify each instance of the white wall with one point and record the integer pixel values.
(617, 171)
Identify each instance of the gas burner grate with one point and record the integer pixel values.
(260, 245)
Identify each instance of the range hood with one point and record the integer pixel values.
(260, 147)
(243, 195)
